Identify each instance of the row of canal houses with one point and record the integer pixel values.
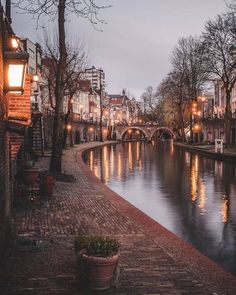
(26, 111)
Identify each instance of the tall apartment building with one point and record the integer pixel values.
(96, 76)
(34, 68)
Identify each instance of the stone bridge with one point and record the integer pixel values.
(148, 131)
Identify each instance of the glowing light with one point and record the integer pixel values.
(68, 127)
(14, 43)
(35, 78)
(15, 68)
(15, 75)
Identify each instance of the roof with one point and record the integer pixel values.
(117, 99)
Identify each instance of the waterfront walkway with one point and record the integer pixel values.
(153, 260)
(229, 154)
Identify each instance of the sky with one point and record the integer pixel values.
(135, 45)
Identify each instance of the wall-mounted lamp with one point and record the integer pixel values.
(35, 78)
(14, 71)
(14, 43)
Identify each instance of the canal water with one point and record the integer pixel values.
(191, 195)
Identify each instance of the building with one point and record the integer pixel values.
(15, 118)
(119, 108)
(213, 115)
(34, 70)
(96, 77)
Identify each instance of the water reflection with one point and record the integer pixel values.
(193, 196)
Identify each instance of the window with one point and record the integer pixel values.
(31, 53)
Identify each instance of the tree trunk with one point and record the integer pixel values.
(55, 164)
(181, 119)
(101, 110)
(228, 116)
(65, 133)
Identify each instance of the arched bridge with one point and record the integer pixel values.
(149, 132)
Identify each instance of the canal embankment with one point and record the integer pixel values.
(182, 253)
(228, 154)
(153, 260)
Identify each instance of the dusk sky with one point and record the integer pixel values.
(135, 46)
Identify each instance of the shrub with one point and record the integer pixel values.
(99, 246)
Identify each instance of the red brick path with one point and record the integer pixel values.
(153, 260)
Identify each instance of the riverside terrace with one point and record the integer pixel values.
(153, 260)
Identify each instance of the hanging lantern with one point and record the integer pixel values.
(15, 64)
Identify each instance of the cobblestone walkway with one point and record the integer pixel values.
(43, 259)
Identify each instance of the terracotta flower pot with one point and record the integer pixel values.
(46, 185)
(29, 176)
(98, 271)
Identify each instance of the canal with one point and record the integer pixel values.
(191, 195)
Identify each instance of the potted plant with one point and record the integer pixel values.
(47, 182)
(28, 173)
(98, 258)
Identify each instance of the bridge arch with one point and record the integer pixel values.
(133, 128)
(164, 130)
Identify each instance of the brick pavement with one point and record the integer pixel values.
(153, 260)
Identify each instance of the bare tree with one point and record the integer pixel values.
(60, 10)
(149, 98)
(173, 92)
(75, 64)
(190, 62)
(219, 36)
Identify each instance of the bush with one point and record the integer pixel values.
(97, 245)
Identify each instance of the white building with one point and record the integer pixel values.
(96, 76)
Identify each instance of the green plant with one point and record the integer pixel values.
(98, 246)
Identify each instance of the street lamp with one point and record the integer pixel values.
(35, 78)
(68, 127)
(15, 69)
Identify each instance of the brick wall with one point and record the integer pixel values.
(19, 105)
(4, 158)
(14, 114)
